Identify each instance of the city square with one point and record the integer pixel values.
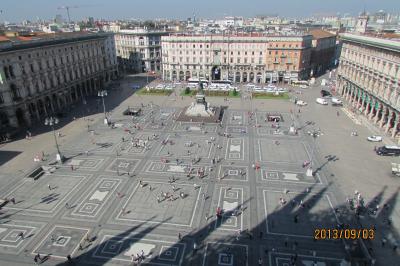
(178, 190)
(179, 133)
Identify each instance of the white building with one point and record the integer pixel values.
(45, 74)
(139, 50)
(369, 79)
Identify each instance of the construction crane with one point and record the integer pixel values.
(67, 8)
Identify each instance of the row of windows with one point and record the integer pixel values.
(269, 66)
(238, 46)
(59, 50)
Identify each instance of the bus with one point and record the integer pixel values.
(388, 150)
(193, 82)
(222, 82)
(300, 82)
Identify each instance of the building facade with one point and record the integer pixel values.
(323, 51)
(44, 74)
(240, 58)
(369, 79)
(139, 50)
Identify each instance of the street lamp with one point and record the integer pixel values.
(102, 94)
(314, 134)
(51, 121)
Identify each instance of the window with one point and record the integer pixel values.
(238, 60)
(6, 72)
(194, 46)
(252, 53)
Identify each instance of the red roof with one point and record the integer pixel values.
(4, 39)
(320, 34)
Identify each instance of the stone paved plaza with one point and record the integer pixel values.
(153, 192)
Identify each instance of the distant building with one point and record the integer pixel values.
(42, 75)
(139, 50)
(323, 51)
(254, 58)
(369, 79)
(59, 19)
(362, 23)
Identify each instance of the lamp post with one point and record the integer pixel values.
(51, 121)
(314, 134)
(102, 94)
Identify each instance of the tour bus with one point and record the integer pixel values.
(388, 150)
(300, 82)
(193, 82)
(222, 82)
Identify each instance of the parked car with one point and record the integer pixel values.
(336, 101)
(301, 103)
(375, 138)
(325, 93)
(321, 101)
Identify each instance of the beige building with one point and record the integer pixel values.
(242, 58)
(368, 78)
(43, 74)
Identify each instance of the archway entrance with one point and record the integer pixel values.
(20, 117)
(216, 73)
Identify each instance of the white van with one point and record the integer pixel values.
(336, 102)
(321, 101)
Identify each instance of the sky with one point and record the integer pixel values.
(18, 10)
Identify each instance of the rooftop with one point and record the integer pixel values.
(39, 39)
(378, 42)
(320, 34)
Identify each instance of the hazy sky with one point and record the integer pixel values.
(17, 10)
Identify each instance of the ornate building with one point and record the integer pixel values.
(43, 74)
(139, 50)
(369, 78)
(242, 58)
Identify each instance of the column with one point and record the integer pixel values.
(378, 110)
(366, 110)
(390, 116)
(348, 92)
(371, 111)
(348, 89)
(360, 94)
(363, 96)
(384, 111)
(396, 124)
(355, 97)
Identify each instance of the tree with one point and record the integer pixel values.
(187, 90)
(235, 93)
